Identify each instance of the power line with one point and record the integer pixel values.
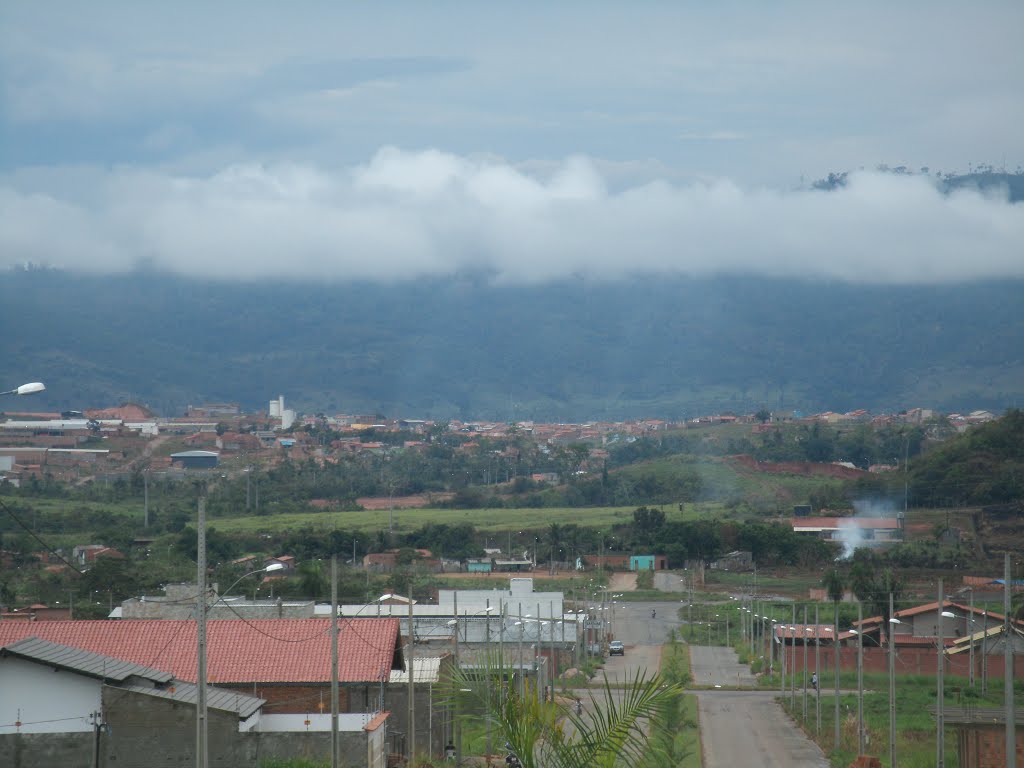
(33, 534)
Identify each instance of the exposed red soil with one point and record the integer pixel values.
(808, 468)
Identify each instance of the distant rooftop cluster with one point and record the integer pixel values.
(98, 442)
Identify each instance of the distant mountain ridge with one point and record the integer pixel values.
(671, 347)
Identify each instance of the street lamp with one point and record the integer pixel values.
(860, 683)
(940, 718)
(26, 389)
(202, 741)
(891, 629)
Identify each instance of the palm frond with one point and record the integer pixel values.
(613, 731)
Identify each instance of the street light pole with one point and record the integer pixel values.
(890, 630)
(835, 659)
(1008, 640)
(970, 645)
(202, 756)
(817, 671)
(805, 665)
(860, 678)
(940, 717)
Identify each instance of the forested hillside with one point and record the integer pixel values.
(570, 351)
(464, 347)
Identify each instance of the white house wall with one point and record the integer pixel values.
(45, 700)
(347, 722)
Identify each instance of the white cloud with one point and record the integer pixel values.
(405, 214)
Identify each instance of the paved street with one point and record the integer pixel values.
(717, 665)
(643, 636)
(738, 728)
(745, 728)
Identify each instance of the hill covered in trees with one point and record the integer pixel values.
(574, 350)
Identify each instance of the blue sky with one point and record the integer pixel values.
(534, 140)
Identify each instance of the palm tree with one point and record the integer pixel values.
(612, 731)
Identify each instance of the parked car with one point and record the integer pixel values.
(616, 648)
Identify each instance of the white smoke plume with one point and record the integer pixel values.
(850, 535)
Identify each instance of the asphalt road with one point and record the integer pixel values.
(745, 728)
(643, 636)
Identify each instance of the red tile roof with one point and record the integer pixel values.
(262, 651)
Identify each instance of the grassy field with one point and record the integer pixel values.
(915, 725)
(406, 520)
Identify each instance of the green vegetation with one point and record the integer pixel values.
(677, 743)
(734, 343)
(985, 465)
(915, 725)
(615, 729)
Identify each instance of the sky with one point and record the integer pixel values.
(528, 141)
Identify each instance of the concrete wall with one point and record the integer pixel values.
(45, 750)
(432, 720)
(147, 731)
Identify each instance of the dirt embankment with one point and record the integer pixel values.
(808, 468)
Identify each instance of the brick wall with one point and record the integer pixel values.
(295, 699)
(909, 661)
(984, 746)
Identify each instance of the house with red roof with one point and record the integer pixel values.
(287, 662)
(63, 705)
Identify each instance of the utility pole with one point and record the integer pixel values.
(892, 685)
(412, 688)
(202, 756)
(835, 658)
(805, 663)
(817, 671)
(334, 662)
(1008, 638)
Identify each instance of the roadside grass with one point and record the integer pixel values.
(915, 724)
(677, 739)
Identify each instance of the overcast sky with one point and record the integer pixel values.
(531, 140)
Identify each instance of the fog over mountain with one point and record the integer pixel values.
(525, 210)
(462, 346)
(407, 215)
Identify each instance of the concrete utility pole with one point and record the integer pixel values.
(412, 688)
(817, 671)
(889, 631)
(835, 657)
(1009, 634)
(202, 756)
(335, 757)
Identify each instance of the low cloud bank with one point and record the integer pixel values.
(410, 214)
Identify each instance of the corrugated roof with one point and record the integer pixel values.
(425, 670)
(837, 523)
(81, 661)
(251, 651)
(811, 631)
(216, 698)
